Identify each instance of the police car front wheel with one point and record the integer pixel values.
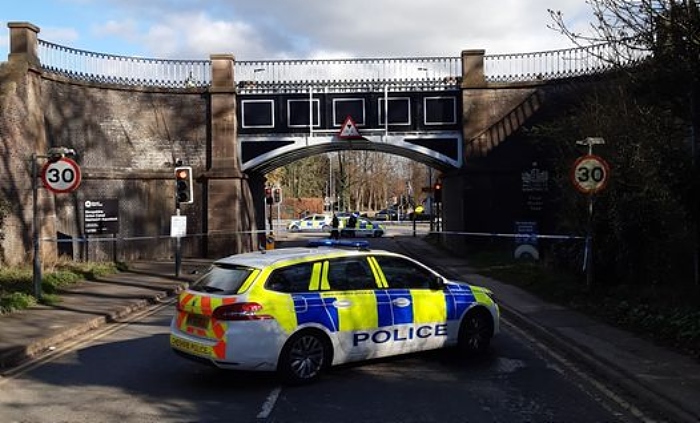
(475, 332)
(303, 357)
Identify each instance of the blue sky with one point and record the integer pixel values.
(295, 29)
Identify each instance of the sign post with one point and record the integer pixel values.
(60, 174)
(590, 174)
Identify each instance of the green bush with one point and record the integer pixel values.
(14, 301)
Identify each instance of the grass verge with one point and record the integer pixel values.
(666, 315)
(17, 284)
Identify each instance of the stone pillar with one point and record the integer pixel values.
(474, 105)
(473, 69)
(456, 186)
(230, 210)
(23, 43)
(23, 128)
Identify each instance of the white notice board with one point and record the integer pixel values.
(178, 226)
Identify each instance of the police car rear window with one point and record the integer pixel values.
(222, 279)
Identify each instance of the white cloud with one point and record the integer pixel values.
(63, 36)
(299, 29)
(196, 37)
(113, 28)
(415, 27)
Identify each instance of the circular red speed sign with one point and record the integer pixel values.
(61, 176)
(590, 174)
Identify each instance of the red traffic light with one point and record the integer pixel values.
(181, 174)
(437, 192)
(183, 185)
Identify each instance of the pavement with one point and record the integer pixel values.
(658, 378)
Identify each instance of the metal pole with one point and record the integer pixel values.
(386, 110)
(36, 275)
(178, 252)
(269, 217)
(311, 111)
(431, 206)
(279, 223)
(589, 245)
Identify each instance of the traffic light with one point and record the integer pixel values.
(437, 192)
(277, 195)
(268, 195)
(183, 185)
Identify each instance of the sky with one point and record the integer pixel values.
(296, 29)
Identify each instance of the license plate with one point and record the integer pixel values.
(190, 347)
(197, 321)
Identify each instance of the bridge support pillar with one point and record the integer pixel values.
(25, 146)
(230, 212)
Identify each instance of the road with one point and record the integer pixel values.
(127, 373)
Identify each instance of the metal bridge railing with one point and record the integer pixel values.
(560, 64)
(391, 70)
(123, 70)
(434, 73)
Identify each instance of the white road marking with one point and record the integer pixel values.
(269, 404)
(569, 366)
(79, 342)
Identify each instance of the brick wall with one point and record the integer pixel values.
(21, 134)
(128, 141)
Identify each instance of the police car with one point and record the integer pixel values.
(314, 222)
(301, 310)
(363, 228)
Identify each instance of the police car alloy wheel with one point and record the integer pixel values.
(303, 358)
(475, 332)
(294, 229)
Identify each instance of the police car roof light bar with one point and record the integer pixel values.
(360, 245)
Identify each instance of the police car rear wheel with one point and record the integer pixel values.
(475, 332)
(303, 358)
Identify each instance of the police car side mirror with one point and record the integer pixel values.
(437, 283)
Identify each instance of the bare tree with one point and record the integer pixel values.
(669, 29)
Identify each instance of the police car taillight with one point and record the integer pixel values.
(240, 311)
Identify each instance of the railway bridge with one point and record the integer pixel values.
(132, 119)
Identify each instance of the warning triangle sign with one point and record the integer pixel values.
(349, 130)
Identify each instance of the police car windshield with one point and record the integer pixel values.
(222, 279)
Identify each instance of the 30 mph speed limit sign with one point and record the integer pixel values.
(61, 176)
(590, 174)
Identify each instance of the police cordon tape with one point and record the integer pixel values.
(152, 237)
(265, 232)
(507, 235)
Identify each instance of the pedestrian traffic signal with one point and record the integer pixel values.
(437, 192)
(268, 195)
(183, 185)
(277, 195)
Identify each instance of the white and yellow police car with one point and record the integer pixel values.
(313, 223)
(363, 228)
(300, 310)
